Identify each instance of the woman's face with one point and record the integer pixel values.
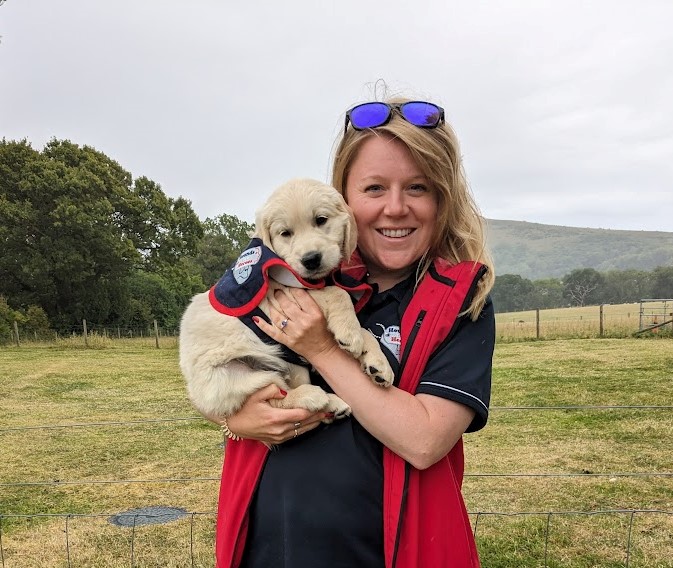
(395, 208)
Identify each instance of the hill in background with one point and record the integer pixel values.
(537, 251)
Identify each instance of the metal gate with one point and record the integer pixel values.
(655, 313)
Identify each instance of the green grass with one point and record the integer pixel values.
(127, 381)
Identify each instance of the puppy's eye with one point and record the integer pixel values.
(320, 220)
(285, 233)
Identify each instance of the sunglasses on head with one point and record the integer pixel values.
(371, 115)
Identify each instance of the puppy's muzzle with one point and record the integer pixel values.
(311, 260)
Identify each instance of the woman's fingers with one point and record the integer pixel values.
(302, 426)
(258, 420)
(269, 328)
(302, 327)
(288, 430)
(268, 392)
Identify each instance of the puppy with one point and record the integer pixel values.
(308, 225)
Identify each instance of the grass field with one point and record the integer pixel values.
(545, 487)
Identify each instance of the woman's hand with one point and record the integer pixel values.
(299, 324)
(258, 420)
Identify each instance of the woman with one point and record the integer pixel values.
(324, 497)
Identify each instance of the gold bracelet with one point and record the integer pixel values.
(228, 433)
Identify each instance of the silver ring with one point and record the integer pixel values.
(297, 425)
(283, 324)
(296, 433)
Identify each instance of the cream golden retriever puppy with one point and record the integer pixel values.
(308, 225)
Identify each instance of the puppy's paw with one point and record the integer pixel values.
(337, 407)
(352, 342)
(310, 397)
(375, 364)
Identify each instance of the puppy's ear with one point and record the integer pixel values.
(262, 229)
(350, 239)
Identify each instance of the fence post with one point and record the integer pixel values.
(600, 318)
(86, 339)
(119, 333)
(16, 333)
(537, 323)
(156, 333)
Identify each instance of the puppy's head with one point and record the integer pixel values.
(309, 225)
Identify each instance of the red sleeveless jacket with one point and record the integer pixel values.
(424, 516)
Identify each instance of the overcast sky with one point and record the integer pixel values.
(564, 109)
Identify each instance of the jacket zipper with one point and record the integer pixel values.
(407, 466)
(410, 341)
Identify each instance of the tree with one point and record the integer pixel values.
(7, 318)
(34, 321)
(162, 229)
(622, 286)
(151, 298)
(583, 286)
(512, 293)
(224, 238)
(548, 293)
(662, 282)
(73, 227)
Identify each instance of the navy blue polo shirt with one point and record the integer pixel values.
(319, 502)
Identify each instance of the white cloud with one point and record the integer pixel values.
(560, 107)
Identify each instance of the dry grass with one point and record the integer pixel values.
(127, 381)
(619, 320)
(93, 541)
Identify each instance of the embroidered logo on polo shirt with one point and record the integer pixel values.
(243, 267)
(390, 338)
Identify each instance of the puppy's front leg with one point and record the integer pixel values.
(374, 362)
(336, 304)
(342, 321)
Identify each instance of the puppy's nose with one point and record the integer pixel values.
(311, 260)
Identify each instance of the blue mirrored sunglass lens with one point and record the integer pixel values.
(369, 115)
(421, 114)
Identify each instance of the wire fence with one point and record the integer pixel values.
(653, 317)
(88, 334)
(192, 543)
(133, 524)
(549, 529)
(630, 514)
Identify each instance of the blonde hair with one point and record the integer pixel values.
(459, 233)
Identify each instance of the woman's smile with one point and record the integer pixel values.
(395, 233)
(395, 208)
